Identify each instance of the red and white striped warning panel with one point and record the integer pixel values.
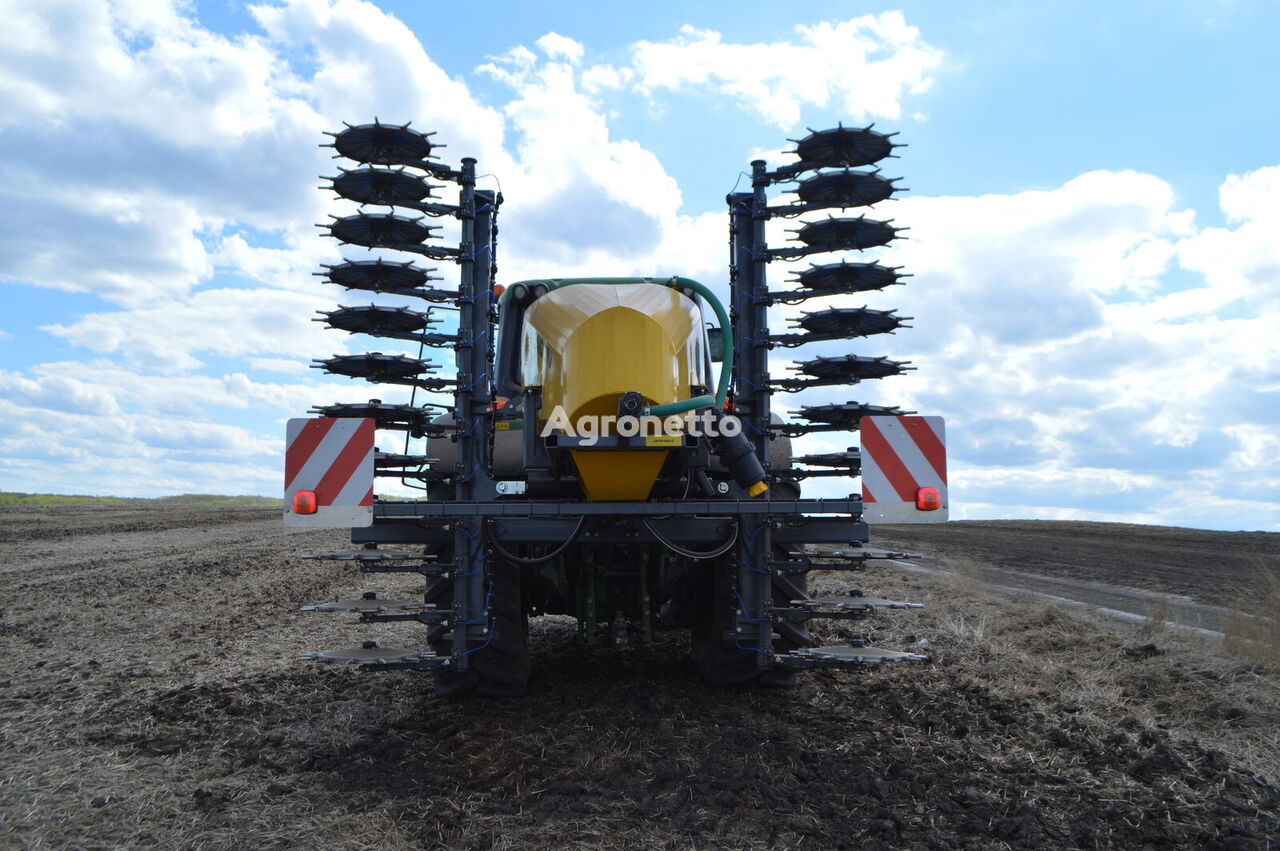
(904, 469)
(328, 473)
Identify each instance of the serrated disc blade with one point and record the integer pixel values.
(847, 277)
(844, 189)
(376, 319)
(850, 368)
(843, 146)
(848, 322)
(381, 186)
(834, 234)
(845, 415)
(375, 230)
(383, 144)
(378, 275)
(376, 365)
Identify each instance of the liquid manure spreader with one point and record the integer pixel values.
(607, 450)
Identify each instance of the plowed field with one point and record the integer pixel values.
(150, 695)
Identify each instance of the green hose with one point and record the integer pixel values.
(726, 334)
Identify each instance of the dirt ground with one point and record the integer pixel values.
(1212, 567)
(150, 695)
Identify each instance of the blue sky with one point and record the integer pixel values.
(1094, 197)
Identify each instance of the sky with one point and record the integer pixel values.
(1094, 197)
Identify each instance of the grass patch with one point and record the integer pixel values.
(966, 575)
(17, 498)
(1158, 617)
(1254, 631)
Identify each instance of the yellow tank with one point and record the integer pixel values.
(585, 345)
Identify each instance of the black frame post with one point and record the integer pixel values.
(748, 213)
(473, 479)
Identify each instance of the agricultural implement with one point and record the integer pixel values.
(603, 447)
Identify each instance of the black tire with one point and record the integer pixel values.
(713, 649)
(501, 665)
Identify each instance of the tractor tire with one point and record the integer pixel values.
(714, 650)
(500, 666)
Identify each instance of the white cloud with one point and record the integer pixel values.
(131, 135)
(1077, 379)
(556, 46)
(578, 208)
(1073, 377)
(859, 68)
(168, 337)
(1241, 263)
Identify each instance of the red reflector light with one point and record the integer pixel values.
(928, 499)
(304, 502)
(498, 289)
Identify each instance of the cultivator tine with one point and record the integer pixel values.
(368, 603)
(387, 561)
(847, 560)
(427, 475)
(366, 556)
(392, 461)
(799, 567)
(401, 466)
(849, 459)
(875, 553)
(798, 473)
(855, 655)
(371, 655)
(819, 607)
(410, 418)
(832, 464)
